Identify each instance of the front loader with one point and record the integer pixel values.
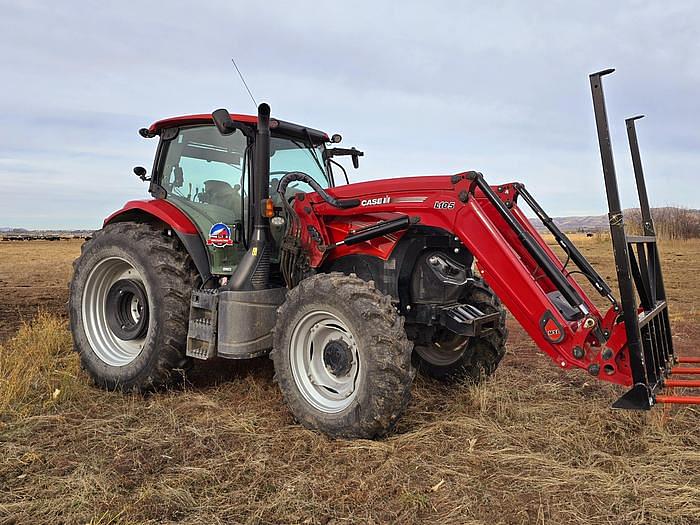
(248, 248)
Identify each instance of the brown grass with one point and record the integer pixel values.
(532, 445)
(34, 275)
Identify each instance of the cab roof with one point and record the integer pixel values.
(287, 128)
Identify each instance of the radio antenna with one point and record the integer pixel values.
(244, 82)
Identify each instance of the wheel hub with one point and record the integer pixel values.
(337, 357)
(126, 309)
(325, 361)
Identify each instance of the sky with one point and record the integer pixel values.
(422, 88)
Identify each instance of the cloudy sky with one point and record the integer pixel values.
(421, 87)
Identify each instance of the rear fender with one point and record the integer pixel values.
(161, 211)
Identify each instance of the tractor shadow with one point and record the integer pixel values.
(212, 373)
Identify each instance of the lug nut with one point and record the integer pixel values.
(607, 354)
(594, 369)
(578, 352)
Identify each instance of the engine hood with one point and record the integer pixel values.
(420, 184)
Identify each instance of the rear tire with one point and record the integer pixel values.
(129, 307)
(341, 356)
(452, 357)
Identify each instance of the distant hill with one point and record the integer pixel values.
(23, 234)
(593, 223)
(589, 223)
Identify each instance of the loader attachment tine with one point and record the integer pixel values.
(689, 360)
(678, 400)
(681, 371)
(682, 383)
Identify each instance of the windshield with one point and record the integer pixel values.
(287, 155)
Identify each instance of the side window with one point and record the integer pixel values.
(205, 170)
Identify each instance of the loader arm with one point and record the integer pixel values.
(511, 255)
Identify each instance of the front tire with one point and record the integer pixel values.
(451, 357)
(341, 356)
(129, 307)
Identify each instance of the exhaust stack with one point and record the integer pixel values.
(253, 272)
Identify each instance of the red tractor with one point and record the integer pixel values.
(248, 247)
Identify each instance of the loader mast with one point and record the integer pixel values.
(647, 325)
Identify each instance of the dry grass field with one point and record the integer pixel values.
(531, 445)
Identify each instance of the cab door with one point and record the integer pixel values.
(204, 173)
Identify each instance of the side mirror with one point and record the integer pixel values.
(140, 172)
(223, 121)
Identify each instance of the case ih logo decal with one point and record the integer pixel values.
(374, 202)
(219, 236)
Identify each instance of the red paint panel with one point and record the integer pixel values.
(159, 208)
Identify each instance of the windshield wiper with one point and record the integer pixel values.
(311, 150)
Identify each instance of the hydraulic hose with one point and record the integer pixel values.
(294, 176)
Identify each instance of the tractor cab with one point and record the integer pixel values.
(209, 176)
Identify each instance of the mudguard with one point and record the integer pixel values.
(163, 211)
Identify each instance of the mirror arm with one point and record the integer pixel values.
(353, 152)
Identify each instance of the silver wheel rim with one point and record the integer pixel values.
(437, 356)
(320, 387)
(106, 345)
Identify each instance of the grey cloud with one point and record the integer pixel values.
(424, 88)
